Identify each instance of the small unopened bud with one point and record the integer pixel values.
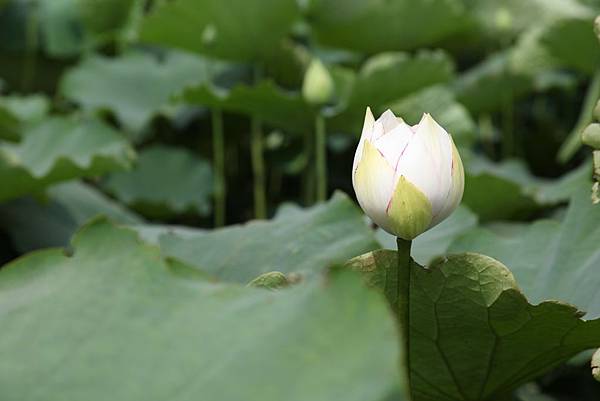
(597, 111)
(318, 86)
(270, 280)
(591, 135)
(596, 365)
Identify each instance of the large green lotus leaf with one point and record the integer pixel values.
(33, 223)
(246, 30)
(61, 27)
(59, 149)
(556, 260)
(491, 84)
(106, 19)
(508, 190)
(439, 101)
(503, 20)
(115, 317)
(265, 100)
(473, 334)
(18, 111)
(165, 181)
(303, 241)
(387, 78)
(134, 86)
(435, 242)
(373, 26)
(559, 37)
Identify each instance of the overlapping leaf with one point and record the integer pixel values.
(473, 335)
(303, 242)
(59, 149)
(18, 111)
(369, 26)
(247, 30)
(551, 260)
(165, 181)
(265, 100)
(508, 190)
(33, 224)
(134, 86)
(77, 326)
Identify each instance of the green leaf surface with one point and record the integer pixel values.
(77, 326)
(59, 149)
(18, 111)
(165, 181)
(435, 242)
(245, 30)
(304, 241)
(491, 84)
(134, 86)
(265, 100)
(551, 260)
(507, 190)
(375, 26)
(473, 334)
(33, 224)
(386, 78)
(503, 20)
(559, 37)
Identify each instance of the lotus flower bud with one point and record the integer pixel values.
(318, 86)
(596, 365)
(591, 135)
(407, 179)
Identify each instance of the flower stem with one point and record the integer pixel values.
(258, 168)
(220, 189)
(321, 157)
(397, 291)
(573, 141)
(258, 161)
(308, 186)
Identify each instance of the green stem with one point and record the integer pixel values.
(397, 291)
(573, 141)
(31, 42)
(308, 176)
(321, 157)
(258, 169)
(220, 188)
(508, 135)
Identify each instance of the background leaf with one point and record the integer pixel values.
(59, 149)
(51, 222)
(247, 30)
(134, 86)
(302, 242)
(565, 269)
(166, 181)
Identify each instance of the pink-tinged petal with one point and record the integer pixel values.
(389, 121)
(393, 144)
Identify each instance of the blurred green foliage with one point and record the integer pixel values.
(175, 117)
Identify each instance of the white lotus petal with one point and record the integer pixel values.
(393, 144)
(374, 184)
(389, 121)
(366, 134)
